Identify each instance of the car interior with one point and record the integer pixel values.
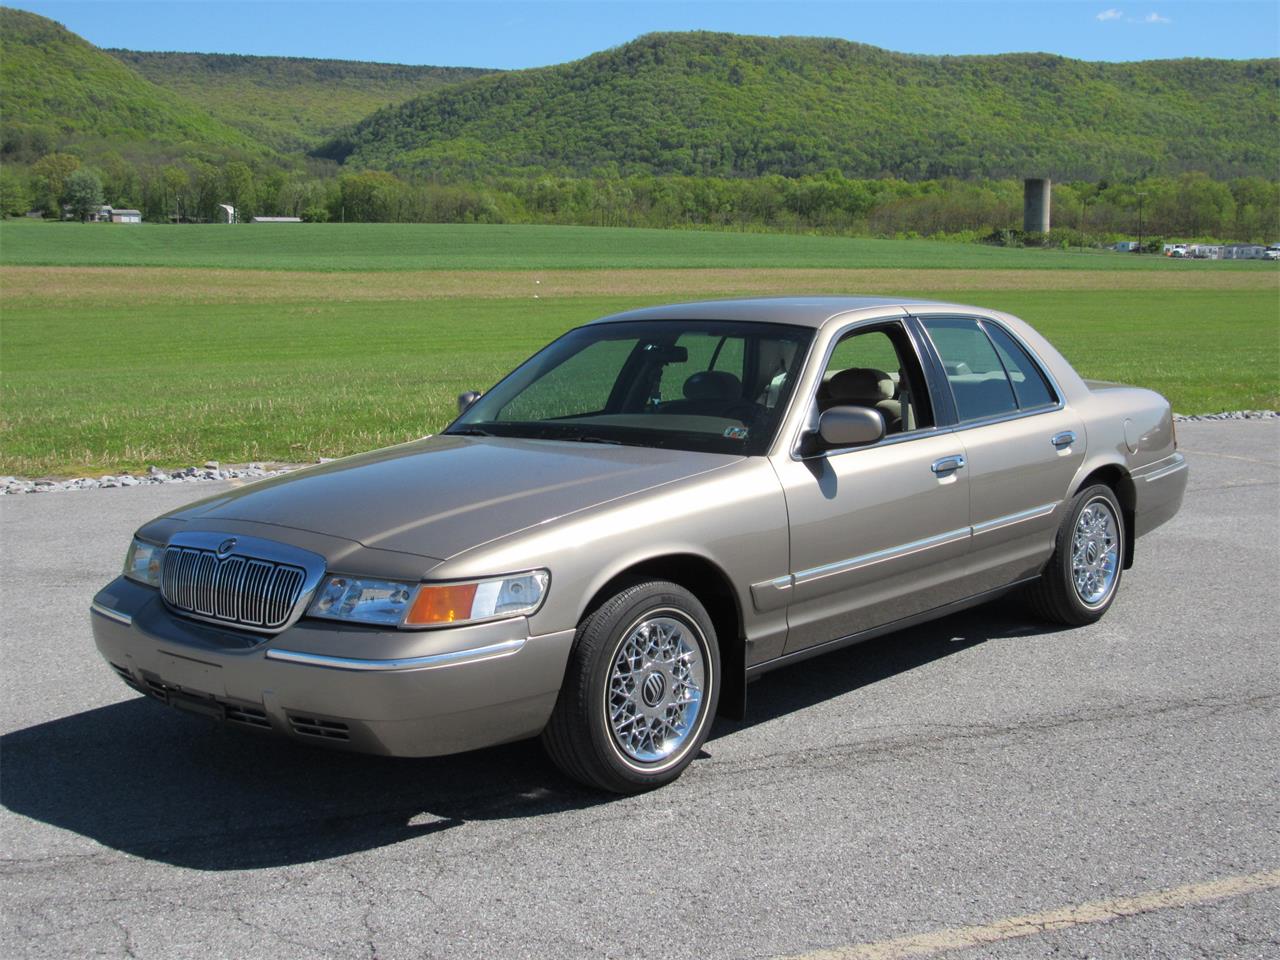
(989, 373)
(876, 368)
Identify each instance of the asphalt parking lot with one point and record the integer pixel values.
(879, 802)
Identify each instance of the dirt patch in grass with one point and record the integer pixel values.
(153, 285)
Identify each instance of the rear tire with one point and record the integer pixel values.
(640, 692)
(1083, 576)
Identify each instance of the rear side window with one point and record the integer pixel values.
(1029, 382)
(977, 377)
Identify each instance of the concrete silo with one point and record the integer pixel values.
(1035, 205)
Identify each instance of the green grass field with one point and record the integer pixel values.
(98, 383)
(391, 246)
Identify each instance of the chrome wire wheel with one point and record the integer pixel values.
(1095, 552)
(656, 687)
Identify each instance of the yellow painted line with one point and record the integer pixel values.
(1010, 928)
(1228, 456)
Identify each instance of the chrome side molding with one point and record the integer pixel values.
(773, 593)
(1163, 468)
(879, 556)
(999, 523)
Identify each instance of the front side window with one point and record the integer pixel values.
(713, 386)
(876, 367)
(978, 379)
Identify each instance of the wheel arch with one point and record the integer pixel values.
(1116, 477)
(707, 581)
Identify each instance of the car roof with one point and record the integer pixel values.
(798, 311)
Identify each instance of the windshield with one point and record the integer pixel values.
(709, 386)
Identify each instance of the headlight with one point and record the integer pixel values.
(394, 604)
(365, 601)
(142, 562)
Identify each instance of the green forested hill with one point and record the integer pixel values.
(57, 89)
(290, 103)
(671, 129)
(720, 104)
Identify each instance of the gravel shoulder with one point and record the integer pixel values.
(248, 472)
(977, 768)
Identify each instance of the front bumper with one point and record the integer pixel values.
(400, 693)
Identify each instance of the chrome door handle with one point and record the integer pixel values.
(1064, 439)
(947, 464)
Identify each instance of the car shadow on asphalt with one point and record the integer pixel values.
(144, 779)
(833, 674)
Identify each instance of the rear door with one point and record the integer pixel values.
(1022, 446)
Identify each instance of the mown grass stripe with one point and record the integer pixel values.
(147, 285)
(358, 247)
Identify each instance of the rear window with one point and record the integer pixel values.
(1029, 382)
(977, 377)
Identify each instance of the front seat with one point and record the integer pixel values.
(713, 393)
(866, 387)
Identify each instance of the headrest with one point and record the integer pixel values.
(713, 385)
(860, 385)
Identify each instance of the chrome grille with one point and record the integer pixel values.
(238, 590)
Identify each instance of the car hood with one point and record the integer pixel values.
(441, 495)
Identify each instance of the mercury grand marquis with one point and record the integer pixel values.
(603, 549)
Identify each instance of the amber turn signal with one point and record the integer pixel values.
(443, 604)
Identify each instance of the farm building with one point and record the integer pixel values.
(1205, 251)
(105, 214)
(1244, 251)
(277, 219)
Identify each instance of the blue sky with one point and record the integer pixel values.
(532, 33)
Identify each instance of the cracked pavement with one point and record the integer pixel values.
(972, 769)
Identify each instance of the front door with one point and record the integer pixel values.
(880, 532)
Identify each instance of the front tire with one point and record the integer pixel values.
(640, 692)
(1083, 576)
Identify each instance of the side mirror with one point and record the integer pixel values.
(850, 427)
(465, 400)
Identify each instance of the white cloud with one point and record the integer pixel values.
(1112, 14)
(1155, 18)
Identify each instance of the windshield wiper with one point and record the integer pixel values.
(612, 443)
(468, 432)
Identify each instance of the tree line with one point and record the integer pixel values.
(1189, 205)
